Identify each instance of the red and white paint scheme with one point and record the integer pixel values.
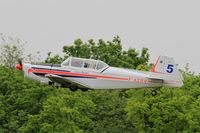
(78, 73)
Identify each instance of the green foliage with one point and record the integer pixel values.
(19, 97)
(171, 111)
(55, 59)
(109, 114)
(9, 54)
(62, 112)
(26, 106)
(108, 51)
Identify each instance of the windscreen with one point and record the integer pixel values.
(75, 62)
(101, 65)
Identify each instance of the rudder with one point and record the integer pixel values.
(166, 66)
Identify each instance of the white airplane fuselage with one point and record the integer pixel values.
(105, 78)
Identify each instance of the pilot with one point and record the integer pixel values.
(86, 65)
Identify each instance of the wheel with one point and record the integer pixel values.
(73, 88)
(51, 83)
(84, 89)
(153, 92)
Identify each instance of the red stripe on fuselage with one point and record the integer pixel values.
(136, 80)
(73, 74)
(130, 79)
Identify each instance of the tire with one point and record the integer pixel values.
(51, 83)
(84, 90)
(73, 88)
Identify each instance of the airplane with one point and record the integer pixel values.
(89, 74)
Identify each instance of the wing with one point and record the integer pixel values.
(64, 81)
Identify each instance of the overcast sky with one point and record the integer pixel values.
(170, 27)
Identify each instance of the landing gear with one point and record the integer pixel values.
(51, 83)
(84, 89)
(153, 92)
(73, 88)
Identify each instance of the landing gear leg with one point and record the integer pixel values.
(153, 92)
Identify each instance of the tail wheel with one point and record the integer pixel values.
(153, 92)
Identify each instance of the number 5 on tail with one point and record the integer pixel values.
(170, 68)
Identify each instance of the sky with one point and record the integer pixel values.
(170, 27)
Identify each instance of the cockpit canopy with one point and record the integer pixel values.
(84, 63)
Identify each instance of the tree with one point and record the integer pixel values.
(110, 52)
(11, 50)
(10, 54)
(62, 112)
(110, 115)
(55, 59)
(33, 58)
(173, 110)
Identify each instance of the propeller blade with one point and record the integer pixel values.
(20, 61)
(19, 66)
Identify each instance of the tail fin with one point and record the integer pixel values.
(164, 65)
(166, 68)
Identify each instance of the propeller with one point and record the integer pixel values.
(19, 66)
(20, 61)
